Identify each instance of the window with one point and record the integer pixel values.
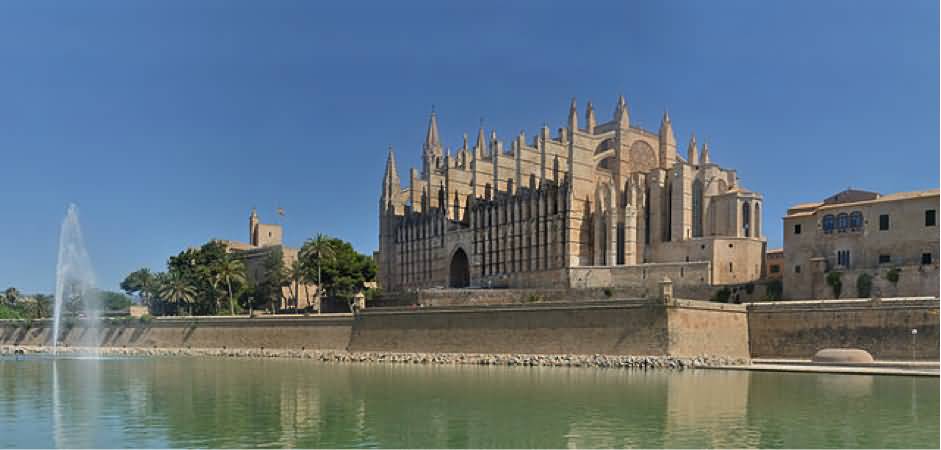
(842, 222)
(746, 219)
(775, 268)
(828, 223)
(926, 258)
(930, 219)
(797, 269)
(843, 258)
(883, 222)
(885, 259)
(730, 267)
(797, 228)
(856, 221)
(697, 207)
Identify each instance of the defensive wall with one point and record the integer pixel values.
(789, 330)
(316, 332)
(884, 327)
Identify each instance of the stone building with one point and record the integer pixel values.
(858, 232)
(775, 264)
(597, 204)
(263, 239)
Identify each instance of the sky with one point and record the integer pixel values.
(167, 121)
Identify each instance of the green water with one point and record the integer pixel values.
(189, 402)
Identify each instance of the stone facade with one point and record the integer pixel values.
(597, 201)
(263, 239)
(775, 264)
(857, 232)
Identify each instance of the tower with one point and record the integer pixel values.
(253, 227)
(431, 149)
(667, 142)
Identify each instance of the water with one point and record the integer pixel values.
(75, 279)
(190, 402)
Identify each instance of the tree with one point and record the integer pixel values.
(318, 251)
(10, 295)
(274, 278)
(295, 276)
(141, 283)
(341, 271)
(178, 290)
(230, 271)
(43, 305)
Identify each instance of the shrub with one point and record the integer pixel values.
(864, 285)
(834, 279)
(145, 318)
(892, 275)
(533, 298)
(608, 292)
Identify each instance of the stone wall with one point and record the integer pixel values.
(884, 329)
(327, 333)
(614, 327)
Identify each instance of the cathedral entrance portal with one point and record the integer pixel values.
(460, 270)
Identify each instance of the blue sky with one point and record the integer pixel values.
(167, 121)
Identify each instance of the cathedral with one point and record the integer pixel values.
(594, 205)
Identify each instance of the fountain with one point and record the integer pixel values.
(75, 279)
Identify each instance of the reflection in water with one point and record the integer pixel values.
(180, 402)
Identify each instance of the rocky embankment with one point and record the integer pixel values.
(330, 356)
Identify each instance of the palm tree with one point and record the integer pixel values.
(317, 251)
(10, 295)
(43, 304)
(229, 270)
(295, 273)
(176, 289)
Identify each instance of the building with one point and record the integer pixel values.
(263, 239)
(596, 205)
(862, 234)
(775, 262)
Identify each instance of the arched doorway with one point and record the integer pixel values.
(460, 270)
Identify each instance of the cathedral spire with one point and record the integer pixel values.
(705, 153)
(573, 116)
(692, 151)
(622, 114)
(480, 148)
(391, 176)
(431, 137)
(667, 142)
(590, 121)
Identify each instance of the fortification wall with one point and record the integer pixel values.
(632, 328)
(327, 333)
(884, 329)
(704, 328)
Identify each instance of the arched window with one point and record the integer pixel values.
(842, 222)
(457, 208)
(828, 223)
(856, 220)
(442, 202)
(532, 181)
(746, 220)
(487, 191)
(697, 208)
(555, 169)
(509, 185)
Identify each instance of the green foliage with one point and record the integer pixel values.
(893, 275)
(339, 268)
(835, 281)
(177, 289)
(608, 292)
(372, 294)
(274, 278)
(722, 295)
(10, 295)
(10, 312)
(864, 285)
(146, 318)
(113, 301)
(774, 289)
